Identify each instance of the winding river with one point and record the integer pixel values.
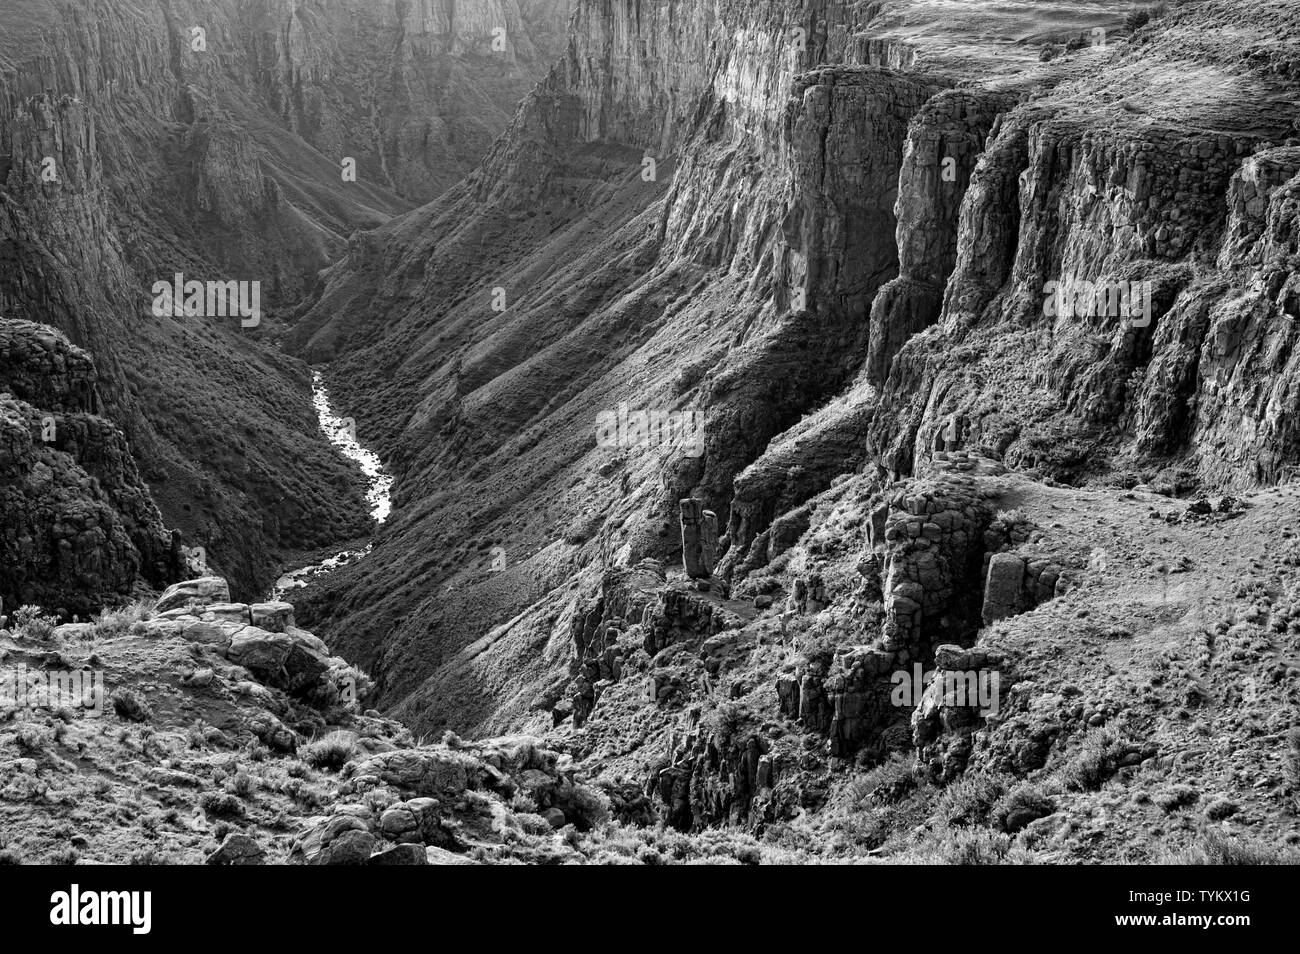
(379, 487)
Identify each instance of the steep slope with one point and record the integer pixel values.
(211, 139)
(243, 744)
(709, 232)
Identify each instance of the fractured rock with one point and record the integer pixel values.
(1002, 588)
(699, 539)
(340, 840)
(274, 617)
(204, 591)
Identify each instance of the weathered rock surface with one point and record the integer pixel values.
(79, 528)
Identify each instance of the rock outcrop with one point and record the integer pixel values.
(78, 527)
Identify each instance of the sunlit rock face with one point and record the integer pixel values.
(831, 225)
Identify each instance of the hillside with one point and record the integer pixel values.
(210, 139)
(811, 177)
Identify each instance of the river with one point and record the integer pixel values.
(379, 487)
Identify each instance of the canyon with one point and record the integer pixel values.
(826, 227)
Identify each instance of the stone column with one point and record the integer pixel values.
(699, 539)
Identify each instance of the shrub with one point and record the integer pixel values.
(588, 808)
(64, 856)
(1137, 17)
(523, 803)
(241, 784)
(887, 783)
(1221, 808)
(1020, 806)
(332, 751)
(974, 847)
(1092, 764)
(723, 722)
(129, 705)
(1217, 848)
(32, 738)
(30, 623)
(221, 804)
(1175, 797)
(120, 621)
(969, 800)
(1011, 518)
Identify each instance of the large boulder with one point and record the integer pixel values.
(418, 821)
(400, 855)
(292, 661)
(340, 840)
(261, 653)
(436, 772)
(202, 592)
(238, 849)
(274, 617)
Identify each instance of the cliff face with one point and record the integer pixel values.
(210, 139)
(80, 528)
(830, 226)
(415, 91)
(603, 204)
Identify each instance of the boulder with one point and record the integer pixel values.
(1003, 586)
(238, 849)
(434, 772)
(272, 617)
(213, 634)
(292, 661)
(274, 733)
(306, 663)
(200, 678)
(340, 840)
(226, 612)
(203, 592)
(400, 855)
(415, 821)
(261, 653)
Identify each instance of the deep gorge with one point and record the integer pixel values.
(828, 229)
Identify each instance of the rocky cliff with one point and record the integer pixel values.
(232, 142)
(871, 247)
(709, 225)
(80, 529)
